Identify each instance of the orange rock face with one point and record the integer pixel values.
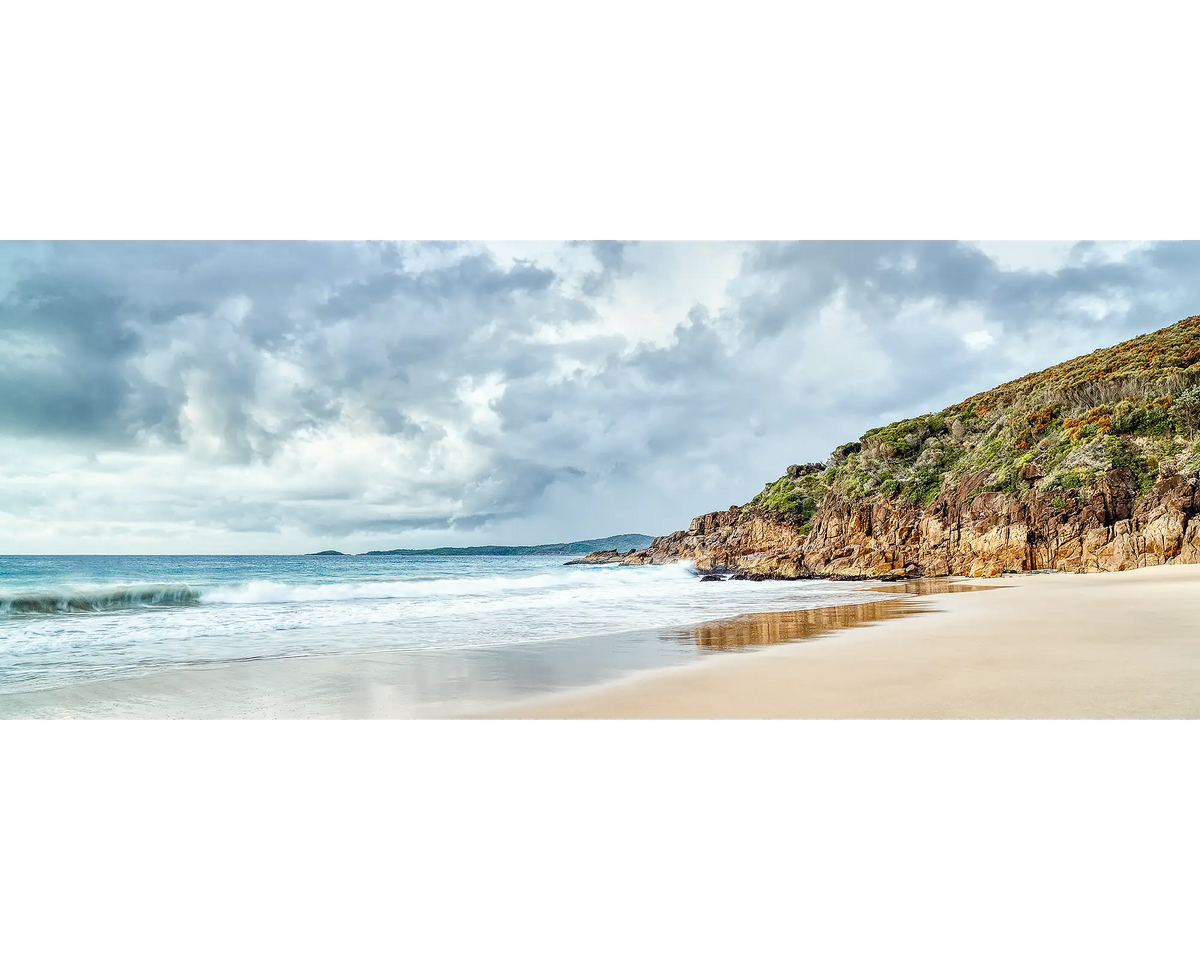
(1108, 527)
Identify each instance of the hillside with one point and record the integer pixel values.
(1089, 464)
(621, 542)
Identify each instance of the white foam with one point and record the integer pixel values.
(605, 579)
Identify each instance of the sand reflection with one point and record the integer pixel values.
(792, 626)
(760, 629)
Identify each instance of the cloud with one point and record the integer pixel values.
(188, 396)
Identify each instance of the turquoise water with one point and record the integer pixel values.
(67, 621)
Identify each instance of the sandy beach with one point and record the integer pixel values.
(1104, 645)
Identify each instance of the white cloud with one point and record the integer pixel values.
(1042, 255)
(1098, 307)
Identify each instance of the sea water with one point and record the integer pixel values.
(70, 622)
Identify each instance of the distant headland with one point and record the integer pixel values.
(621, 542)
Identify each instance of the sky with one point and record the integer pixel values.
(284, 397)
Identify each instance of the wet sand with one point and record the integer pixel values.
(1110, 645)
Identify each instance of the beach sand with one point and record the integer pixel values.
(1117, 645)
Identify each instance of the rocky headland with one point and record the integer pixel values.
(1089, 465)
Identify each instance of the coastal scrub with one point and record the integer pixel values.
(1133, 406)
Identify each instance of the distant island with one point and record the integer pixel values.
(622, 542)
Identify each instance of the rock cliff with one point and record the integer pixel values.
(962, 533)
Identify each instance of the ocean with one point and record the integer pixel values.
(347, 636)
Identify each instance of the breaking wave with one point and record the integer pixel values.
(100, 599)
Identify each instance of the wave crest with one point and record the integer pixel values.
(105, 598)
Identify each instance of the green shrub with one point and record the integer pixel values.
(1155, 420)
(1185, 411)
(1132, 423)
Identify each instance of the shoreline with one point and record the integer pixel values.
(1046, 645)
(425, 682)
(430, 683)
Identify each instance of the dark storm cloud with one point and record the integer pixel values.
(880, 277)
(66, 345)
(474, 280)
(441, 386)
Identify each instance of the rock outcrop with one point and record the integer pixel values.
(603, 556)
(961, 533)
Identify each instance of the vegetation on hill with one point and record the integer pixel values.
(1135, 405)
